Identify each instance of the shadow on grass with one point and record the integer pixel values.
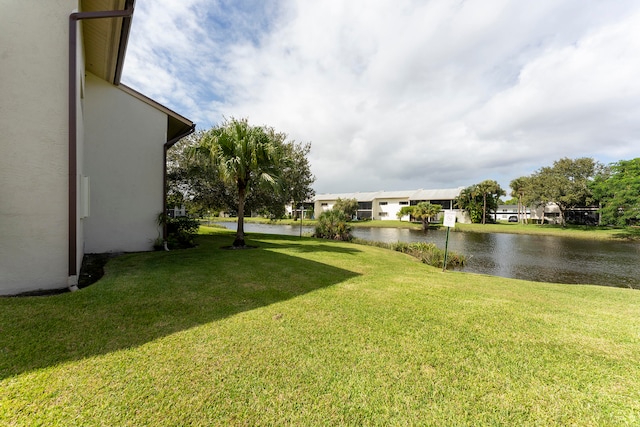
(293, 242)
(146, 296)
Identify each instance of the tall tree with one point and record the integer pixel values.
(470, 200)
(347, 206)
(244, 155)
(566, 183)
(617, 188)
(296, 180)
(194, 183)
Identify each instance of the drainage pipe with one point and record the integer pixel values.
(126, 14)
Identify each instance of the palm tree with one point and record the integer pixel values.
(518, 187)
(486, 188)
(242, 155)
(425, 211)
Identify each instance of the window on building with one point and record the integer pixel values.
(404, 203)
(446, 204)
(383, 203)
(324, 204)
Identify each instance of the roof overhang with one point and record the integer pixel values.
(177, 124)
(105, 45)
(105, 40)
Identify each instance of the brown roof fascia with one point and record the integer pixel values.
(124, 39)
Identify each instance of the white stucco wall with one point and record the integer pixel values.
(33, 145)
(123, 155)
(388, 208)
(320, 206)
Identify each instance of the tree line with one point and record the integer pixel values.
(569, 183)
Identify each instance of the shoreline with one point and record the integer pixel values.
(629, 234)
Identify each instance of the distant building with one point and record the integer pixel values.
(304, 210)
(509, 212)
(385, 205)
(550, 214)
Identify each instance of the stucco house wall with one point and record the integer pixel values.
(33, 144)
(322, 205)
(123, 154)
(388, 208)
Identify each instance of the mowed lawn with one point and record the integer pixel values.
(308, 332)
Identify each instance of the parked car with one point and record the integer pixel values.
(513, 218)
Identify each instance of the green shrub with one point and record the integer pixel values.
(333, 225)
(181, 231)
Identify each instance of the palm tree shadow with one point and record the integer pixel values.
(147, 296)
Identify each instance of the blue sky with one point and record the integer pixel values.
(402, 94)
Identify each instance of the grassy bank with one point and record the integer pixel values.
(573, 231)
(308, 332)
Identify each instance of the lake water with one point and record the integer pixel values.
(529, 257)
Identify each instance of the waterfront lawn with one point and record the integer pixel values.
(309, 332)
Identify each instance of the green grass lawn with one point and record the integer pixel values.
(309, 332)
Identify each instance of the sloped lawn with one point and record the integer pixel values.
(308, 332)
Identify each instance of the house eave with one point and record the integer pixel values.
(177, 123)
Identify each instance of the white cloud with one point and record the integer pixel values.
(403, 94)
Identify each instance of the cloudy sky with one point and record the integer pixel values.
(403, 94)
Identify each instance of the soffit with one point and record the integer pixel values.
(102, 39)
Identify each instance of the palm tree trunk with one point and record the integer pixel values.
(562, 220)
(484, 208)
(239, 241)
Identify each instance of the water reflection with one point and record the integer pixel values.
(539, 258)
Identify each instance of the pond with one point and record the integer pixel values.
(528, 257)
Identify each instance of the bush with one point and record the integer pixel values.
(181, 231)
(333, 225)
